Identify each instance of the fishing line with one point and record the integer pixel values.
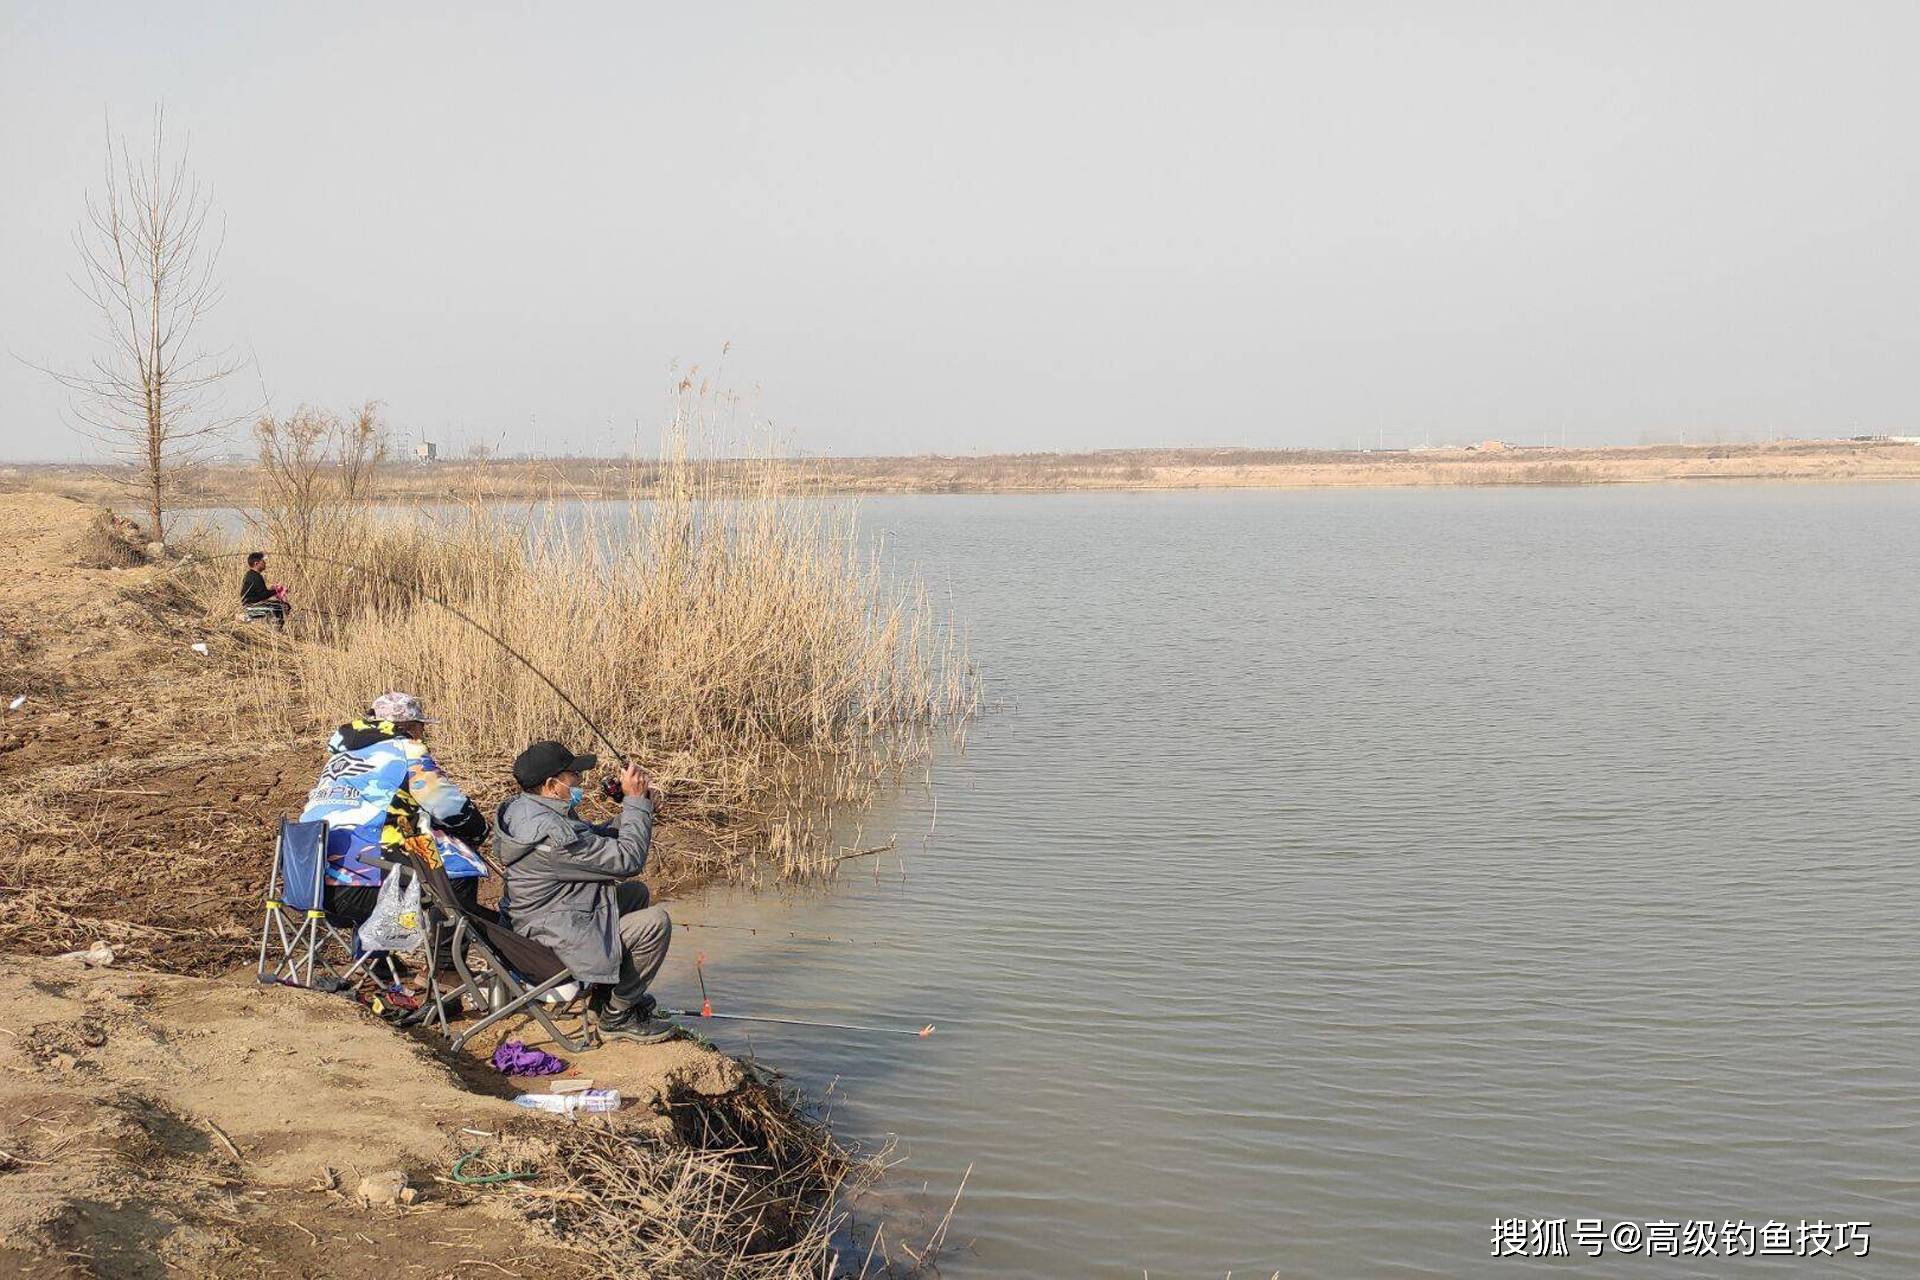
(922, 1033)
(425, 594)
(783, 933)
(706, 1011)
(706, 1005)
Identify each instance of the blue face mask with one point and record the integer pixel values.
(574, 796)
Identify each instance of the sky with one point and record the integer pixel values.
(987, 227)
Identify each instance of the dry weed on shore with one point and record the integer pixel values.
(523, 480)
(751, 649)
(138, 786)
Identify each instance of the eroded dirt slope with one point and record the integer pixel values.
(167, 1115)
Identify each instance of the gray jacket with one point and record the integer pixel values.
(560, 875)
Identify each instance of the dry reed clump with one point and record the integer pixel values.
(1477, 474)
(748, 1188)
(746, 646)
(109, 543)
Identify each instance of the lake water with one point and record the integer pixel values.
(1339, 872)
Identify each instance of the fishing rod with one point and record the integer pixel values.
(706, 1005)
(425, 594)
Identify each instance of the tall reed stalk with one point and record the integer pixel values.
(751, 648)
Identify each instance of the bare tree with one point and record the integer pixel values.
(147, 267)
(316, 469)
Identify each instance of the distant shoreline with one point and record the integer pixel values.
(1117, 470)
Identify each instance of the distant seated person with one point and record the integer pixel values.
(381, 790)
(569, 884)
(257, 599)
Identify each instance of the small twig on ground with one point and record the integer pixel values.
(8, 1157)
(221, 1134)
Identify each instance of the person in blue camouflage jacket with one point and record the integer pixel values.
(380, 789)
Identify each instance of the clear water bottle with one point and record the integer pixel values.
(597, 1099)
(564, 1104)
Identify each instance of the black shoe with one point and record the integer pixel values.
(637, 1025)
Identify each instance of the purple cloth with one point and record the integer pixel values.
(515, 1059)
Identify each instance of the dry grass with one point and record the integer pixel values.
(234, 484)
(748, 1188)
(748, 647)
(1492, 474)
(140, 782)
(109, 543)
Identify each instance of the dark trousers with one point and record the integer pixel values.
(351, 905)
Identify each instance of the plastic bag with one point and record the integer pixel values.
(395, 924)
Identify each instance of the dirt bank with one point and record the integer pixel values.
(167, 1115)
(141, 777)
(152, 1124)
(1491, 463)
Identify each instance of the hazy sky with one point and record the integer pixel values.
(1024, 226)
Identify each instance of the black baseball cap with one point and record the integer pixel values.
(544, 760)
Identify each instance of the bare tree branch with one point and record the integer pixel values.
(148, 266)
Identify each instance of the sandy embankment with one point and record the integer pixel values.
(168, 1115)
(156, 1124)
(526, 480)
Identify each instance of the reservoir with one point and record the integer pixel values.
(1336, 873)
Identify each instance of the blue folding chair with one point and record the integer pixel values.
(296, 908)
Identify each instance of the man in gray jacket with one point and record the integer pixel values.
(569, 886)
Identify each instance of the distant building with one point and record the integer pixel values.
(426, 451)
(1493, 446)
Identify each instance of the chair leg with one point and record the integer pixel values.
(273, 914)
(565, 1041)
(437, 995)
(359, 963)
(332, 935)
(306, 934)
(266, 934)
(528, 1000)
(266, 929)
(283, 967)
(313, 941)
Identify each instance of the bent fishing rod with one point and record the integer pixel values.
(424, 594)
(706, 1006)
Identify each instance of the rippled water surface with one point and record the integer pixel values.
(1338, 872)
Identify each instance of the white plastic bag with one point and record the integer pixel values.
(395, 923)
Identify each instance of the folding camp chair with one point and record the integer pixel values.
(297, 917)
(521, 974)
(296, 907)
